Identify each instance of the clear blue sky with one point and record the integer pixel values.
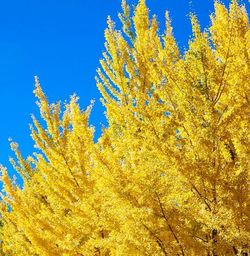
(61, 42)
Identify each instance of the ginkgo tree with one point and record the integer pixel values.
(170, 173)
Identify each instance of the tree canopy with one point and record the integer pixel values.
(170, 173)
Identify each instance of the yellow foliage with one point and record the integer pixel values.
(170, 174)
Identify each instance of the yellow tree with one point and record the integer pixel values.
(177, 145)
(57, 212)
(170, 174)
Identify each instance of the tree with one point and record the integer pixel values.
(169, 176)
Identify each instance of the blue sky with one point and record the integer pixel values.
(61, 42)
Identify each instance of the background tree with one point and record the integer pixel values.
(58, 210)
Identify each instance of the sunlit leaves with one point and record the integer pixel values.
(170, 174)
